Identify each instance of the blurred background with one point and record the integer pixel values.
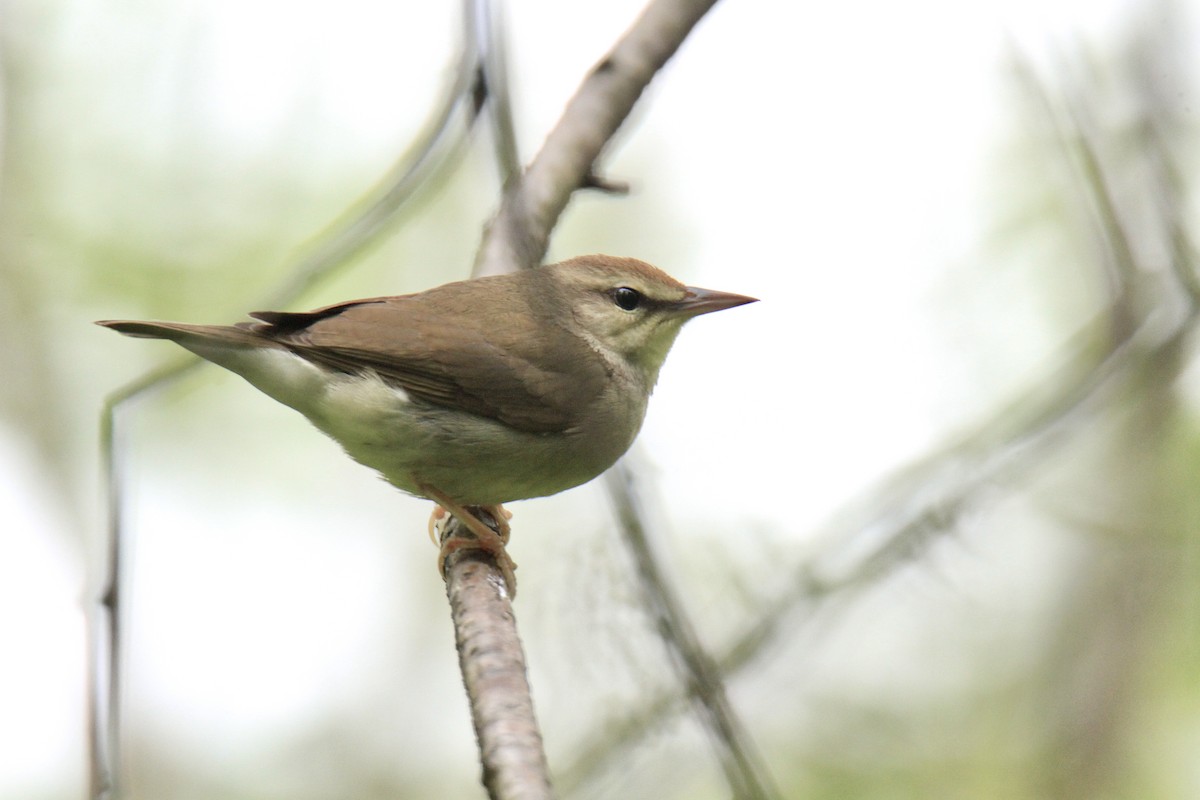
(931, 505)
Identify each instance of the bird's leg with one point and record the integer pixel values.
(499, 514)
(435, 518)
(484, 538)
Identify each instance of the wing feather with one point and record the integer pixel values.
(527, 373)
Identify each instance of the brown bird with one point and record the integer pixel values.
(474, 393)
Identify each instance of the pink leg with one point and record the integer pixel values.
(484, 538)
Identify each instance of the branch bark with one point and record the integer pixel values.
(493, 669)
(520, 233)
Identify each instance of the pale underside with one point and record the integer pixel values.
(473, 459)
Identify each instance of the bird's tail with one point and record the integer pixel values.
(188, 335)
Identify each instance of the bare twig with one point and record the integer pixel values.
(493, 87)
(745, 771)
(520, 233)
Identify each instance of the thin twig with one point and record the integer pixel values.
(745, 771)
(494, 88)
(520, 233)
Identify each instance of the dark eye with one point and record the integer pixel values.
(626, 298)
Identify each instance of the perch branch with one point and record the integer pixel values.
(502, 711)
(493, 670)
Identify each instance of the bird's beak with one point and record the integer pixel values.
(702, 301)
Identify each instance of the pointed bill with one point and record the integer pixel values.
(703, 301)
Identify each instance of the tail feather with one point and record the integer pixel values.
(184, 334)
(266, 363)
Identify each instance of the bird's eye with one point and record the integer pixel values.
(626, 298)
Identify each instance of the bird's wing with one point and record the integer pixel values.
(505, 372)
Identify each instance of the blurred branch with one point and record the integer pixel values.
(1183, 256)
(436, 149)
(1160, 78)
(1110, 616)
(432, 153)
(745, 772)
(520, 233)
(896, 524)
(891, 526)
(492, 87)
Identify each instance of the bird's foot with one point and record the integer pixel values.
(479, 536)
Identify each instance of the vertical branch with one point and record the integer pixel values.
(493, 669)
(492, 87)
(104, 631)
(106, 639)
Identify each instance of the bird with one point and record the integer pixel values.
(474, 393)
